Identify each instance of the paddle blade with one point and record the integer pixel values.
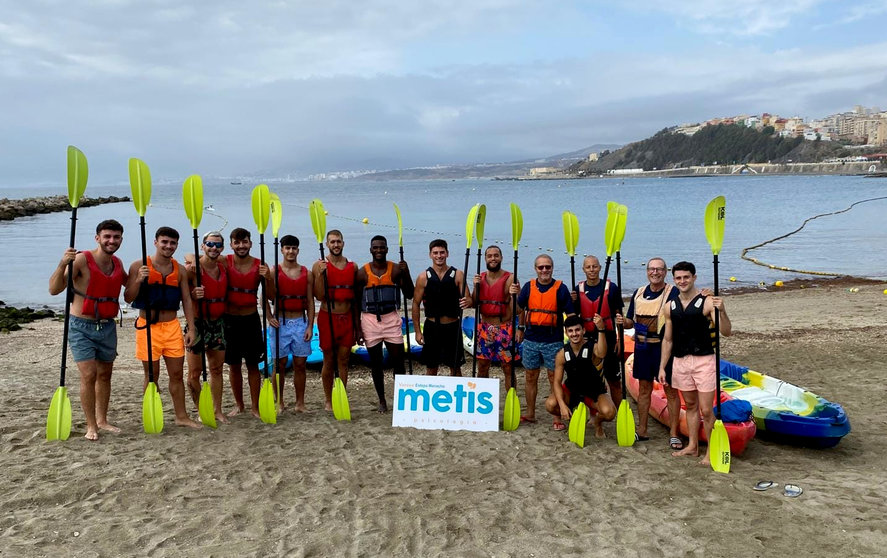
(719, 448)
(78, 173)
(471, 223)
(571, 231)
(152, 410)
(611, 232)
(261, 202)
(318, 219)
(140, 185)
(517, 225)
(622, 216)
(267, 412)
(58, 423)
(192, 197)
(577, 425)
(341, 408)
(714, 223)
(276, 214)
(511, 417)
(625, 425)
(399, 226)
(479, 227)
(205, 406)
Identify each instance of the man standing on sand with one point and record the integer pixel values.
(495, 332)
(381, 283)
(689, 338)
(335, 276)
(98, 276)
(646, 314)
(243, 326)
(294, 321)
(158, 302)
(588, 295)
(439, 288)
(579, 375)
(211, 300)
(543, 302)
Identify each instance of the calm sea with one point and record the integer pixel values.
(665, 219)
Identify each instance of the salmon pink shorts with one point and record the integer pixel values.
(694, 373)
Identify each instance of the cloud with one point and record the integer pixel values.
(743, 18)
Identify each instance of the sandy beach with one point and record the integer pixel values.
(312, 486)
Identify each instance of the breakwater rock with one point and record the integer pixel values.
(10, 209)
(11, 318)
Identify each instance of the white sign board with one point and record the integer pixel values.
(446, 403)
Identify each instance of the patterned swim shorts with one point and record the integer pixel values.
(494, 342)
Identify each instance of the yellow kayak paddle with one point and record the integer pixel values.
(625, 428)
(261, 205)
(719, 444)
(576, 430)
(511, 415)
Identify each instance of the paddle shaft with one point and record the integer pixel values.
(619, 330)
(277, 311)
(406, 320)
(69, 296)
(476, 320)
(329, 311)
(199, 305)
(264, 298)
(147, 307)
(514, 323)
(717, 344)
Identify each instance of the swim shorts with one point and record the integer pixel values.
(243, 339)
(343, 326)
(292, 338)
(375, 331)
(443, 345)
(590, 399)
(534, 354)
(211, 330)
(494, 342)
(646, 363)
(92, 339)
(694, 373)
(166, 340)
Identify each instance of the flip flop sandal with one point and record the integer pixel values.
(639, 438)
(675, 443)
(764, 485)
(558, 426)
(792, 491)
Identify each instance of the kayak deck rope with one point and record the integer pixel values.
(756, 261)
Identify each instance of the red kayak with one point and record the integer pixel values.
(739, 433)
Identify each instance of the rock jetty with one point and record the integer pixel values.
(11, 318)
(10, 209)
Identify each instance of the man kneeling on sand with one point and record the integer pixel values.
(583, 365)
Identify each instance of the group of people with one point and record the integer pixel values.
(673, 325)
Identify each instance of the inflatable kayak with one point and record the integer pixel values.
(784, 412)
(739, 433)
(316, 356)
(360, 351)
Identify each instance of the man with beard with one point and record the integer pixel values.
(294, 321)
(337, 320)
(243, 326)
(439, 289)
(494, 334)
(381, 283)
(211, 302)
(97, 278)
(158, 301)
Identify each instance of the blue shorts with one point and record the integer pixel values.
(292, 338)
(534, 354)
(92, 339)
(646, 363)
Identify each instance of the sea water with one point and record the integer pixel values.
(665, 218)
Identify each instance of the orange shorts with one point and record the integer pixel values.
(166, 340)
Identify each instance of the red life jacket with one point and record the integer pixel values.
(293, 293)
(340, 282)
(243, 288)
(103, 291)
(542, 307)
(493, 298)
(214, 291)
(588, 308)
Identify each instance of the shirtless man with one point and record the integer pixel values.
(690, 339)
(495, 333)
(381, 283)
(439, 288)
(211, 301)
(243, 326)
(158, 302)
(294, 321)
(336, 344)
(579, 375)
(98, 276)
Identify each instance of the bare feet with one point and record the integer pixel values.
(692, 451)
(255, 413)
(91, 434)
(705, 461)
(300, 408)
(281, 409)
(383, 407)
(328, 406)
(599, 432)
(188, 422)
(221, 418)
(109, 427)
(236, 411)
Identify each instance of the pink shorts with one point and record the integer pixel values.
(375, 331)
(694, 373)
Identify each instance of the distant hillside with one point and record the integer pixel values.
(721, 144)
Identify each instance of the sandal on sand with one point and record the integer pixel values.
(558, 426)
(764, 485)
(523, 418)
(675, 443)
(792, 491)
(637, 437)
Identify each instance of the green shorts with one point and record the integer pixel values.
(209, 332)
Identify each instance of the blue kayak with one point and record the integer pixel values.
(361, 352)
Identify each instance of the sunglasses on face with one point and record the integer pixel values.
(543, 267)
(212, 244)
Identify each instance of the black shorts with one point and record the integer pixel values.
(211, 331)
(588, 394)
(646, 363)
(243, 339)
(443, 345)
(612, 371)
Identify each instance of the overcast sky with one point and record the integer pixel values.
(228, 87)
